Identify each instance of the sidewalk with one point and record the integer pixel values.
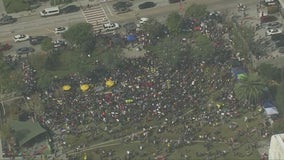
(2, 8)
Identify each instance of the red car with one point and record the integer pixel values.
(5, 47)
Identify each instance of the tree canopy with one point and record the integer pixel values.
(279, 98)
(154, 29)
(79, 33)
(196, 10)
(269, 72)
(250, 88)
(173, 22)
(202, 48)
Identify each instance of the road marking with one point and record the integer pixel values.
(110, 12)
(96, 16)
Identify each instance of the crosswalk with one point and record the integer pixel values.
(96, 16)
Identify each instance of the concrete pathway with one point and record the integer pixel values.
(2, 8)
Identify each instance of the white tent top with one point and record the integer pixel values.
(271, 111)
(276, 147)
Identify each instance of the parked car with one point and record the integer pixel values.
(281, 49)
(266, 19)
(121, 4)
(273, 31)
(25, 50)
(273, 25)
(142, 21)
(129, 27)
(37, 40)
(279, 43)
(61, 29)
(111, 26)
(123, 10)
(21, 37)
(7, 20)
(5, 47)
(146, 5)
(277, 37)
(70, 9)
(175, 1)
(59, 43)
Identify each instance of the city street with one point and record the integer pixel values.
(36, 25)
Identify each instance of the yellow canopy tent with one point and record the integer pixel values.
(84, 87)
(109, 83)
(66, 87)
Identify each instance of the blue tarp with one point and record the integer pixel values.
(131, 38)
(237, 70)
(268, 104)
(270, 108)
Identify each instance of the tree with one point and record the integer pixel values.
(202, 47)
(52, 62)
(269, 72)
(89, 45)
(173, 22)
(110, 58)
(168, 51)
(79, 33)
(279, 98)
(196, 10)
(251, 88)
(46, 44)
(155, 29)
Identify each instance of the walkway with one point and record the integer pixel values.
(96, 16)
(2, 8)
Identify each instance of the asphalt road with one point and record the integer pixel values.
(36, 25)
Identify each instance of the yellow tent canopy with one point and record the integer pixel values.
(66, 87)
(84, 87)
(109, 83)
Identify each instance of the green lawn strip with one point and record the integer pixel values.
(14, 6)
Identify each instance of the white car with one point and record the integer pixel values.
(61, 29)
(21, 37)
(272, 31)
(59, 43)
(111, 26)
(273, 25)
(142, 21)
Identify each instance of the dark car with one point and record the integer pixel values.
(147, 5)
(37, 40)
(5, 47)
(7, 20)
(129, 27)
(121, 5)
(175, 1)
(123, 10)
(70, 9)
(279, 43)
(274, 25)
(25, 50)
(277, 37)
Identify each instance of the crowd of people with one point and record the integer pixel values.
(146, 92)
(148, 100)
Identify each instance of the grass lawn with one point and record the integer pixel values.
(14, 6)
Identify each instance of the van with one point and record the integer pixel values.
(50, 11)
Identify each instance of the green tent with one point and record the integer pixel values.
(241, 76)
(26, 130)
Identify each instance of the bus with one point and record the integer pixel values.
(50, 11)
